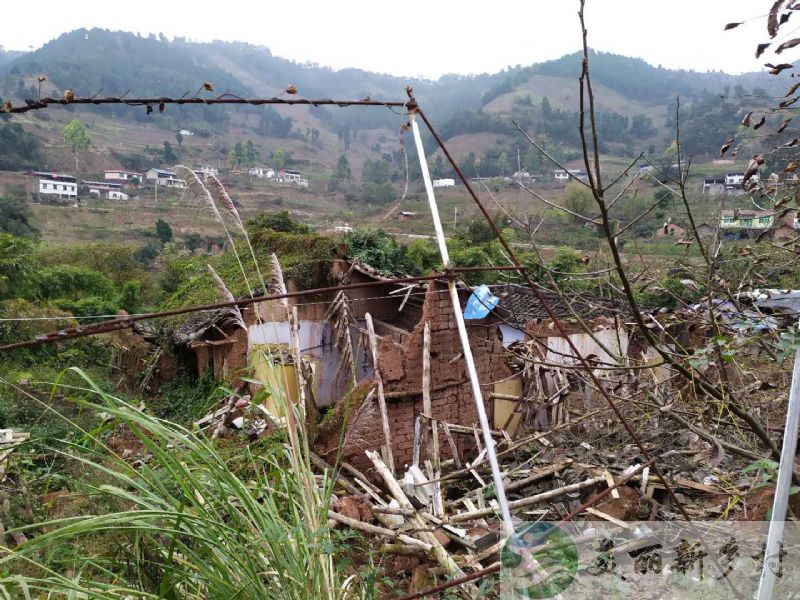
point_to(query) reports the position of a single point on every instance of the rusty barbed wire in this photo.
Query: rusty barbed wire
(126, 322)
(160, 102)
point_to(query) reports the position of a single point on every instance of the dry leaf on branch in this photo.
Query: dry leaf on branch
(753, 166)
(772, 19)
(789, 102)
(732, 26)
(760, 49)
(786, 45)
(776, 69)
(792, 167)
(760, 123)
(725, 147)
(747, 118)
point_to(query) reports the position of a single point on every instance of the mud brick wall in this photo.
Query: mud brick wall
(451, 399)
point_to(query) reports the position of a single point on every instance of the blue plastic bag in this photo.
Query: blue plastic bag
(480, 303)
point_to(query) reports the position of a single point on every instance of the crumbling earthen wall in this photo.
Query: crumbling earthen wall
(451, 397)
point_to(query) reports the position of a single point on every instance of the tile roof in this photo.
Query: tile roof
(518, 302)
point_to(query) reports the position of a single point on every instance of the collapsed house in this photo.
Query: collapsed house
(528, 373)
(522, 362)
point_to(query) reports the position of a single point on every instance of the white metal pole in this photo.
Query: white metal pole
(500, 492)
(772, 558)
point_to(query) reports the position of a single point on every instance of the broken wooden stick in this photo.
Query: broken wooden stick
(375, 530)
(442, 557)
(373, 344)
(427, 407)
(524, 502)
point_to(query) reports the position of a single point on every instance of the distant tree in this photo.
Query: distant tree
(16, 217)
(503, 164)
(380, 250)
(131, 296)
(532, 160)
(423, 254)
(169, 155)
(250, 154)
(578, 199)
(477, 233)
(379, 193)
(342, 171)
(179, 138)
(16, 264)
(281, 221)
(279, 158)
(340, 174)
(146, 255)
(375, 171)
(469, 165)
(642, 126)
(237, 154)
(19, 149)
(438, 169)
(547, 111)
(566, 260)
(76, 138)
(664, 197)
(163, 231)
(194, 241)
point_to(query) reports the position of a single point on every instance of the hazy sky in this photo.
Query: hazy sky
(443, 36)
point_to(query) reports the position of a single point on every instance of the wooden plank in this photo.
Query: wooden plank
(387, 435)
(427, 407)
(611, 483)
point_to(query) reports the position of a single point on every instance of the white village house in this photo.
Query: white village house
(261, 172)
(443, 183)
(165, 178)
(292, 176)
(119, 176)
(563, 176)
(105, 189)
(203, 170)
(57, 184)
(730, 183)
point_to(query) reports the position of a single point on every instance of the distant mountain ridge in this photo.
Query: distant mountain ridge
(90, 60)
(633, 95)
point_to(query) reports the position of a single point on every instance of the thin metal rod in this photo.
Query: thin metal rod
(772, 554)
(477, 395)
(224, 99)
(413, 107)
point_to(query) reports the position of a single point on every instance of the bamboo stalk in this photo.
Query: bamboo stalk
(359, 476)
(375, 530)
(373, 344)
(468, 430)
(417, 441)
(427, 407)
(403, 550)
(524, 502)
(394, 510)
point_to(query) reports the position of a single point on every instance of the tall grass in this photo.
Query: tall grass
(193, 528)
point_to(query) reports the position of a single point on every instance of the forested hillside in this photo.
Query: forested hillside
(635, 101)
